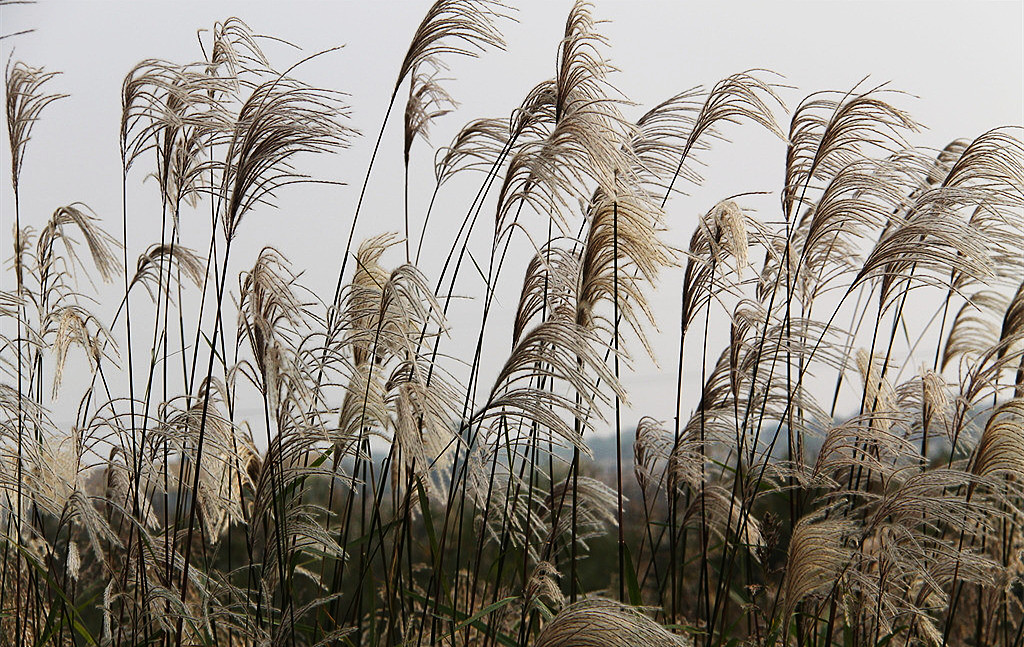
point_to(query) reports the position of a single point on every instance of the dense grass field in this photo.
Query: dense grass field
(219, 455)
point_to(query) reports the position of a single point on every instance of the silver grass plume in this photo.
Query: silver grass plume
(119, 485)
(188, 119)
(226, 459)
(386, 311)
(665, 138)
(1013, 320)
(740, 97)
(476, 146)
(101, 245)
(605, 623)
(551, 284)
(451, 27)
(944, 161)
(856, 203)
(543, 585)
(73, 562)
(163, 106)
(151, 266)
(994, 161)
(427, 101)
(830, 130)
(22, 251)
(424, 414)
(25, 101)
(623, 234)
(1012, 333)
(271, 315)
(660, 140)
(936, 408)
(495, 487)
(876, 441)
(594, 512)
(988, 178)
(280, 119)
(819, 552)
(363, 407)
(459, 27)
(652, 445)
(662, 145)
(723, 233)
(570, 354)
(981, 380)
(879, 396)
(580, 136)
(235, 51)
(743, 378)
(53, 475)
(931, 240)
(385, 314)
(72, 327)
(716, 506)
(1001, 447)
(975, 327)
(363, 300)
(934, 235)
(54, 483)
(911, 555)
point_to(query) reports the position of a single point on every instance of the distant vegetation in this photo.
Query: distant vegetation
(392, 492)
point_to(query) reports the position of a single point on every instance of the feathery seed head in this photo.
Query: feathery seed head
(25, 101)
(604, 623)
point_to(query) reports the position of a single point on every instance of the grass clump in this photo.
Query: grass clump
(392, 487)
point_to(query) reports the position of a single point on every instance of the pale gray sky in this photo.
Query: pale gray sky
(964, 60)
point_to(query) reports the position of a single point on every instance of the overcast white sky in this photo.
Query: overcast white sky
(963, 60)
